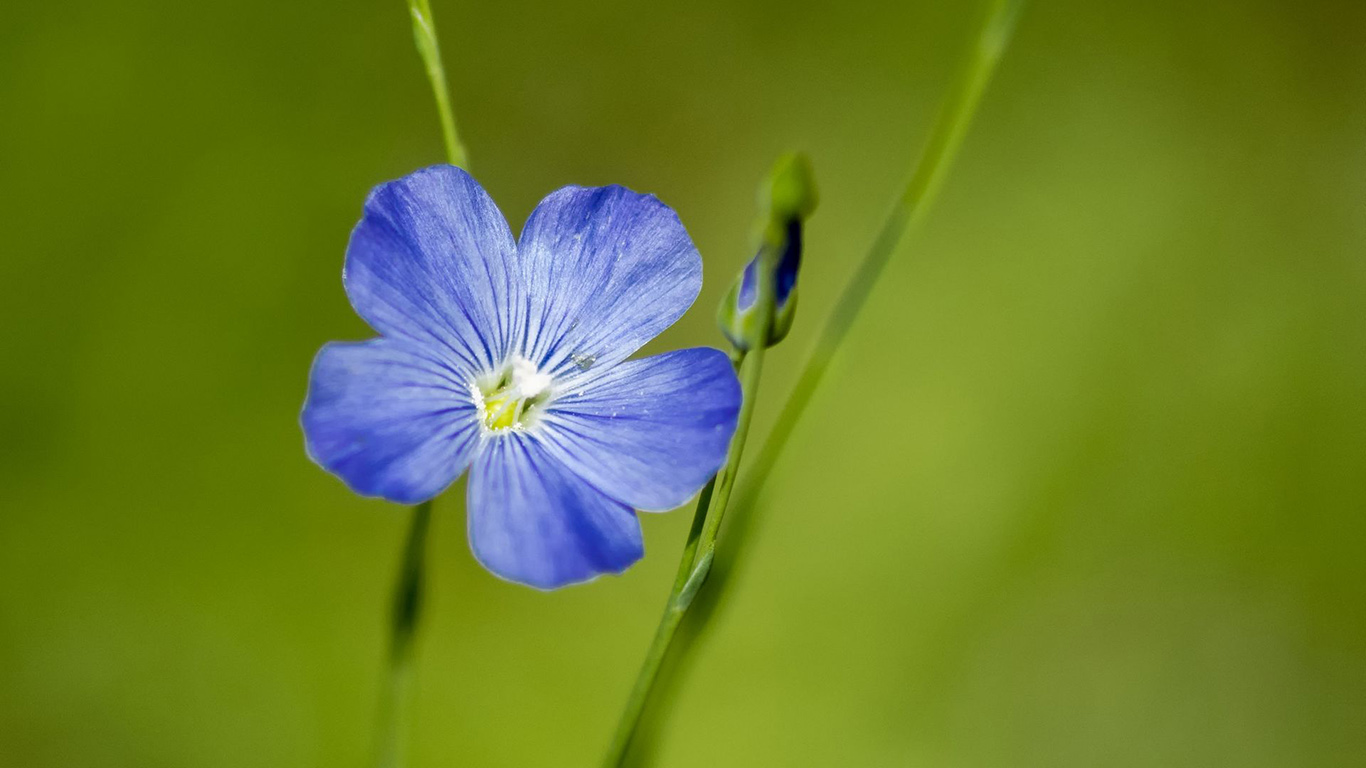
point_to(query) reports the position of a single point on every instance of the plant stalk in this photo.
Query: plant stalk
(907, 211)
(405, 613)
(698, 553)
(406, 610)
(424, 35)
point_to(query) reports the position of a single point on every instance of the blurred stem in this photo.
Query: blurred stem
(698, 553)
(907, 211)
(424, 35)
(404, 616)
(751, 366)
(659, 646)
(406, 611)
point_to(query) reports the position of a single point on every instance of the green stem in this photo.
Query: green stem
(907, 211)
(699, 519)
(424, 35)
(693, 567)
(405, 613)
(645, 679)
(750, 370)
(668, 624)
(698, 553)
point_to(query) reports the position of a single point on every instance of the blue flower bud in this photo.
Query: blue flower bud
(788, 199)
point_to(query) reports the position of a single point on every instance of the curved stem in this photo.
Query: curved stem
(645, 680)
(698, 553)
(404, 616)
(751, 368)
(907, 211)
(406, 610)
(424, 35)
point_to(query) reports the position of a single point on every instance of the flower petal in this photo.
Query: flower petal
(433, 260)
(533, 521)
(606, 270)
(649, 432)
(388, 420)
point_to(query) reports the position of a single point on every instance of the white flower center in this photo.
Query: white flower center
(510, 399)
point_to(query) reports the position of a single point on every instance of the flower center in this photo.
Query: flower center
(510, 400)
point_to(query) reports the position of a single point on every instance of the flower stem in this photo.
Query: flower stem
(405, 612)
(693, 567)
(698, 553)
(424, 35)
(907, 211)
(751, 367)
(668, 624)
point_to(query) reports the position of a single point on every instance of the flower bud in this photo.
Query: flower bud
(788, 199)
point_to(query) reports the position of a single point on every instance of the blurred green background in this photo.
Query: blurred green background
(1085, 487)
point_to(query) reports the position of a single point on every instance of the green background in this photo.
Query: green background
(1084, 487)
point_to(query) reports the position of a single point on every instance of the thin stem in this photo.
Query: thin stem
(404, 616)
(645, 680)
(406, 610)
(750, 370)
(424, 35)
(907, 211)
(659, 646)
(695, 564)
(699, 519)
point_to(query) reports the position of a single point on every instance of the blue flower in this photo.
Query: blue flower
(509, 357)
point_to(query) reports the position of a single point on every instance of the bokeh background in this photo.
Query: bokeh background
(1085, 487)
